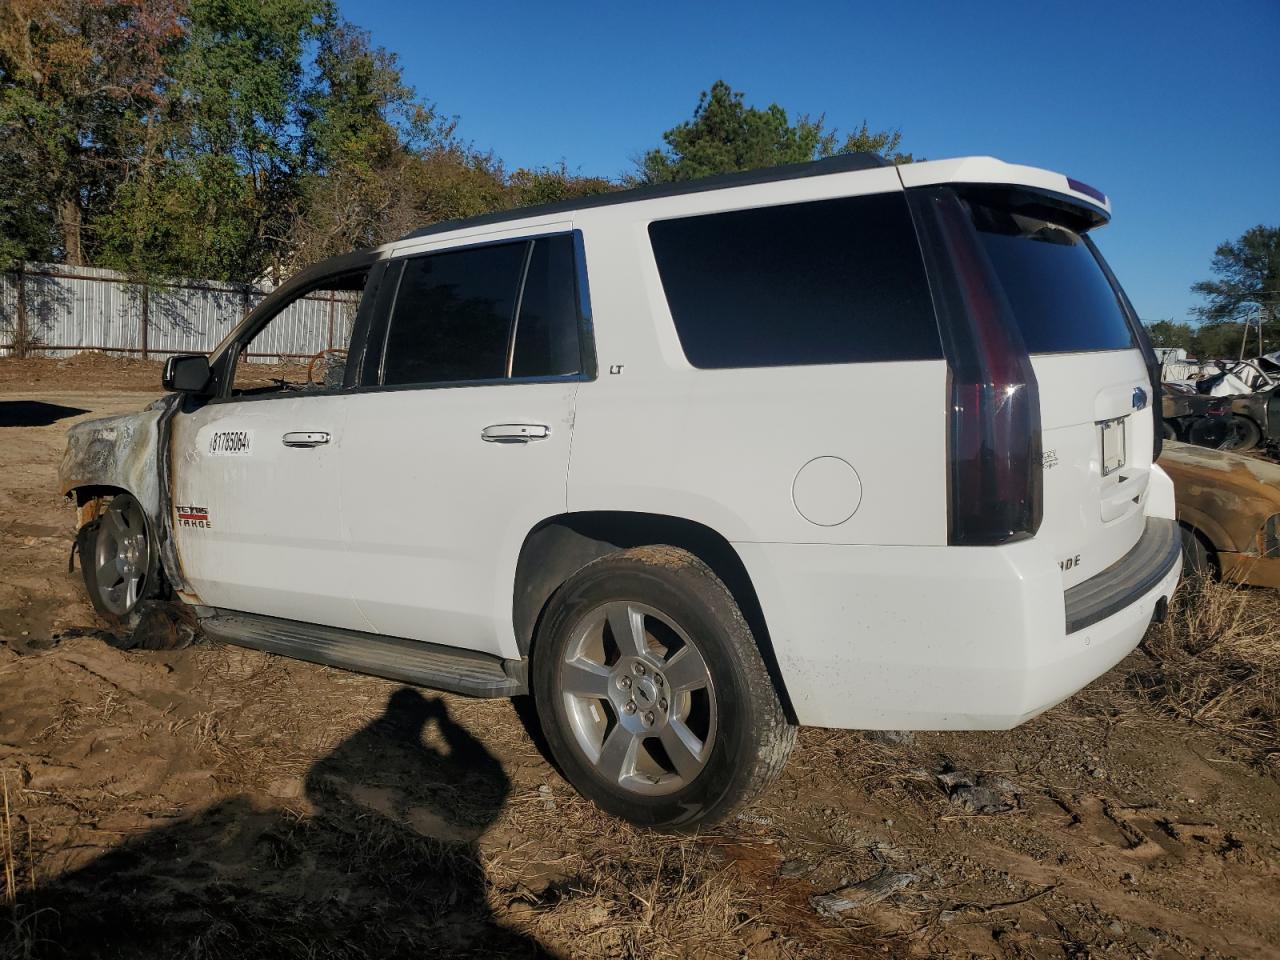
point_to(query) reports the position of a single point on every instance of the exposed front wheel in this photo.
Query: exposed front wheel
(118, 559)
(652, 693)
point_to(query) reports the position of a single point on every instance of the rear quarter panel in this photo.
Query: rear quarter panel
(724, 447)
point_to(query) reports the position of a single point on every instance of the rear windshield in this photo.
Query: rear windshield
(1061, 297)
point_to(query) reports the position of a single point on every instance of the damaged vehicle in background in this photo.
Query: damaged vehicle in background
(728, 553)
(1197, 418)
(1230, 405)
(1229, 511)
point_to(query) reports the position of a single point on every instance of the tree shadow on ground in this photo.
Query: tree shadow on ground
(384, 865)
(34, 413)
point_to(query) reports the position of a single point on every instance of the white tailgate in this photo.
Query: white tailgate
(1090, 521)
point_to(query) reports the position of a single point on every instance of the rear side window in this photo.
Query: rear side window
(485, 313)
(546, 342)
(1060, 296)
(833, 281)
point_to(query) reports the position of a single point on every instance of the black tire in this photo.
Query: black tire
(1209, 431)
(1243, 435)
(1197, 558)
(123, 613)
(752, 738)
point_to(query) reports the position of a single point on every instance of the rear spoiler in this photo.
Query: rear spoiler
(1039, 192)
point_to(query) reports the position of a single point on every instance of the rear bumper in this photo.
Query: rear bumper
(1126, 580)
(947, 638)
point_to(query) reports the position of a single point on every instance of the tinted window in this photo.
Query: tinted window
(836, 281)
(452, 316)
(547, 328)
(1059, 294)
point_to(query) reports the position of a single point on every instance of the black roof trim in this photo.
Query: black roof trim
(793, 171)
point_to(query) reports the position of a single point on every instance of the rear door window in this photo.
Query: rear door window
(546, 340)
(832, 281)
(1060, 295)
(452, 316)
(485, 313)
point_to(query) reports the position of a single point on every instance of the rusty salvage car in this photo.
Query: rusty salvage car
(1229, 511)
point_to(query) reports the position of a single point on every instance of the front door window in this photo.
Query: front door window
(304, 346)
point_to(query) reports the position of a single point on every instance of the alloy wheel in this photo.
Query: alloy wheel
(639, 698)
(122, 555)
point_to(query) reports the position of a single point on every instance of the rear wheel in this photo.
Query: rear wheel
(652, 693)
(119, 560)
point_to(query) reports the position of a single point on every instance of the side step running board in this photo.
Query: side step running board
(409, 661)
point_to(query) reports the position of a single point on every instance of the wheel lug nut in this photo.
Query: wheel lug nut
(625, 683)
(662, 704)
(630, 706)
(648, 719)
(639, 669)
(657, 678)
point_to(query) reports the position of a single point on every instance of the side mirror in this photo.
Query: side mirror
(186, 373)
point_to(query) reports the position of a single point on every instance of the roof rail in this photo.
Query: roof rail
(843, 163)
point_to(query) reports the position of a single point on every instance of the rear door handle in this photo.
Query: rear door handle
(305, 438)
(515, 432)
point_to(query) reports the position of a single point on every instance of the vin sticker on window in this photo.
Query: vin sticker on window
(231, 443)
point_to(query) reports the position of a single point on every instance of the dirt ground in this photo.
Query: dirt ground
(218, 802)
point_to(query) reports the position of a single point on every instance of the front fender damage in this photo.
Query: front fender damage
(126, 452)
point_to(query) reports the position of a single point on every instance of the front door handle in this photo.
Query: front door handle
(515, 432)
(305, 438)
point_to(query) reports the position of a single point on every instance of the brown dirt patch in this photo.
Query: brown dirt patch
(83, 371)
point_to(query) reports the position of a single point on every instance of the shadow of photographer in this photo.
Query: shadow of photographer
(384, 864)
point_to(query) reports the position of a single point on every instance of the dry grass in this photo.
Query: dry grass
(639, 896)
(1217, 664)
(20, 935)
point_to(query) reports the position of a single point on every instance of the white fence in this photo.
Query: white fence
(54, 310)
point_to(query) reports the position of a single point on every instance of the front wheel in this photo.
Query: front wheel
(652, 693)
(119, 560)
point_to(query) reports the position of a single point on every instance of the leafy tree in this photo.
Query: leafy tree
(1219, 341)
(79, 82)
(1205, 342)
(528, 187)
(1246, 282)
(222, 179)
(1166, 333)
(363, 127)
(725, 135)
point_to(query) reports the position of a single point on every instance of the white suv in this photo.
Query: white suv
(839, 444)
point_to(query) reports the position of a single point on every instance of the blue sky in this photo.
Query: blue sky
(1172, 108)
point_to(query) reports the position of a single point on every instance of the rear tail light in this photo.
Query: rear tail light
(994, 460)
